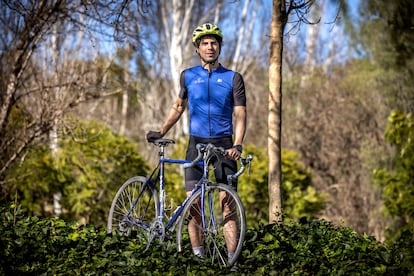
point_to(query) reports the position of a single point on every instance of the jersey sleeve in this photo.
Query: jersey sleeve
(183, 88)
(239, 92)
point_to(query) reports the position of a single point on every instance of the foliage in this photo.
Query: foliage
(56, 36)
(317, 247)
(51, 246)
(397, 180)
(396, 43)
(335, 122)
(175, 186)
(89, 167)
(300, 198)
(17, 125)
(392, 49)
(253, 188)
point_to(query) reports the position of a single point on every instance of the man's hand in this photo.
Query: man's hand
(151, 136)
(234, 153)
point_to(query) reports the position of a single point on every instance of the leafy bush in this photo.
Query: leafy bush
(51, 246)
(396, 178)
(300, 198)
(90, 165)
(318, 247)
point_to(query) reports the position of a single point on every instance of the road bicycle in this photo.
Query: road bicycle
(215, 209)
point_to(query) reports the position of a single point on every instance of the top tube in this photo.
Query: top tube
(162, 144)
(180, 161)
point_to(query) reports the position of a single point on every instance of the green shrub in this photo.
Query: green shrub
(317, 247)
(51, 246)
(89, 167)
(300, 198)
(396, 177)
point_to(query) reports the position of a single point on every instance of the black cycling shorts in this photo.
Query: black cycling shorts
(222, 167)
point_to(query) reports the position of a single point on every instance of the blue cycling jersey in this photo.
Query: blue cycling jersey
(211, 99)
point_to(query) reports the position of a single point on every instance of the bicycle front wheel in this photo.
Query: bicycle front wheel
(222, 236)
(133, 209)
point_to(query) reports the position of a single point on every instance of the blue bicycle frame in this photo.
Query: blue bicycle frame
(160, 168)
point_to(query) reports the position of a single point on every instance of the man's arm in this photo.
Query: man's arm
(175, 114)
(240, 120)
(240, 113)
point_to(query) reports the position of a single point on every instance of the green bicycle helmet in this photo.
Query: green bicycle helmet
(207, 29)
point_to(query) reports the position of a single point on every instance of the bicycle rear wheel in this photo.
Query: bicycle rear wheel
(225, 225)
(133, 208)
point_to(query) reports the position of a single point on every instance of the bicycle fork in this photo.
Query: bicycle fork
(210, 207)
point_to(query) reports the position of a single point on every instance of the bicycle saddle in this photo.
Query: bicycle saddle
(163, 142)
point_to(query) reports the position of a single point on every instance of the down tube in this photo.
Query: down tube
(179, 209)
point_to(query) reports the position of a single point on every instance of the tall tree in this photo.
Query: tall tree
(31, 99)
(23, 30)
(279, 19)
(280, 14)
(177, 24)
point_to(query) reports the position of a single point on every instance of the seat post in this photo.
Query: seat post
(162, 150)
(163, 143)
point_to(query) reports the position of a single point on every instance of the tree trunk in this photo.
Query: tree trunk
(177, 32)
(125, 92)
(275, 111)
(56, 95)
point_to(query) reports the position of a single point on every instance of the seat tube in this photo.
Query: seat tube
(162, 191)
(202, 194)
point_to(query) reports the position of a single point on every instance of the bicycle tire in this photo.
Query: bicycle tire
(141, 214)
(214, 242)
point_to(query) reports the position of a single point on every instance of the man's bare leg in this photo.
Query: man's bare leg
(194, 229)
(230, 223)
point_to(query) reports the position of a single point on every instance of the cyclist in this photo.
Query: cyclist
(214, 96)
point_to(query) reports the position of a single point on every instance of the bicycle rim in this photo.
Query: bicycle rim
(133, 208)
(222, 233)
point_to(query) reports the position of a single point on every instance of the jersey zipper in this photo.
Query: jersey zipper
(209, 104)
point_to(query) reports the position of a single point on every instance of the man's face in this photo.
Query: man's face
(209, 48)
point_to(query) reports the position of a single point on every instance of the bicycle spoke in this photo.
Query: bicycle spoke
(133, 208)
(220, 233)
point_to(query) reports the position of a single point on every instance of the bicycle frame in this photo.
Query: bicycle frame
(132, 210)
(160, 176)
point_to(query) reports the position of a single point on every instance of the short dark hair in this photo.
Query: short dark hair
(218, 38)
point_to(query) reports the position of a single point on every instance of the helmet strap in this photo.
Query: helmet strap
(209, 63)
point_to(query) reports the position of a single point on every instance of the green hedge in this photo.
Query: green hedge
(51, 246)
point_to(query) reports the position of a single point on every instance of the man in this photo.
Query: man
(214, 96)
